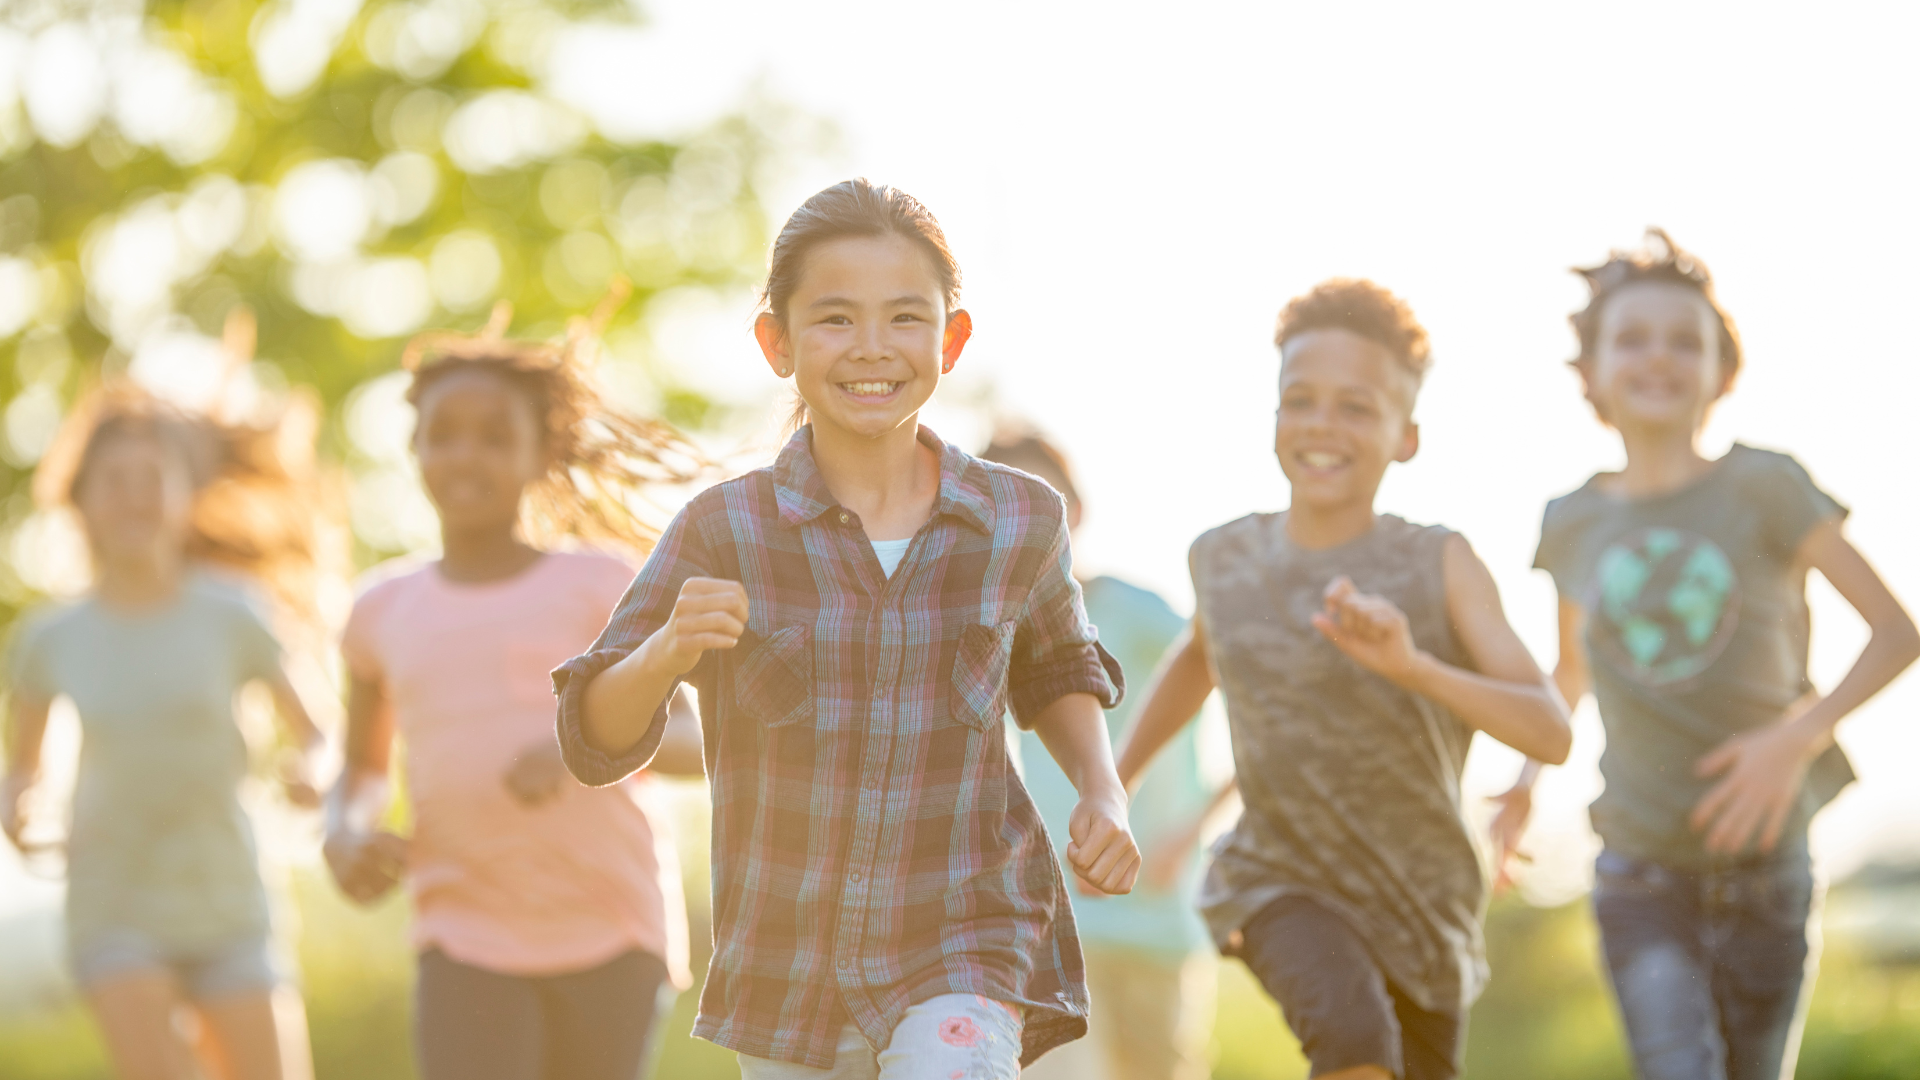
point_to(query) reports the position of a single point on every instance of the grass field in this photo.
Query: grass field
(1546, 1016)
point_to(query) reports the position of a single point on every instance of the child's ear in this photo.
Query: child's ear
(959, 332)
(1409, 443)
(771, 333)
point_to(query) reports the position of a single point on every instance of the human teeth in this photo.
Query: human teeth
(1322, 461)
(870, 389)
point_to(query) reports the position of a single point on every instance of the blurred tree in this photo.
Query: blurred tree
(351, 171)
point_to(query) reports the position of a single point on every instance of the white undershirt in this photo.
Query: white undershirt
(890, 552)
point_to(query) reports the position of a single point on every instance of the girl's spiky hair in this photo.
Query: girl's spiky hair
(600, 459)
(1659, 260)
(262, 506)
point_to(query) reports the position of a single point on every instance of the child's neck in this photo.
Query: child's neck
(481, 555)
(138, 584)
(1659, 461)
(892, 481)
(1317, 528)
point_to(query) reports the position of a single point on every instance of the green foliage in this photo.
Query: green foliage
(409, 174)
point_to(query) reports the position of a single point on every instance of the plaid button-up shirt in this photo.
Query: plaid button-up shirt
(872, 844)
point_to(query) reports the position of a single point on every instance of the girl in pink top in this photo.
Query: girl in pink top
(548, 916)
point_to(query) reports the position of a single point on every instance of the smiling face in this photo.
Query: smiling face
(1345, 414)
(866, 335)
(135, 499)
(479, 446)
(1656, 361)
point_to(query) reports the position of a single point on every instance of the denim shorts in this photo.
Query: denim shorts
(1710, 966)
(242, 966)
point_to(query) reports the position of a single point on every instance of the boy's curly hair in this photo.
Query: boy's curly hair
(601, 459)
(1360, 307)
(1659, 260)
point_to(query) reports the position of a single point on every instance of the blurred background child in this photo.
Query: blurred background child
(1151, 968)
(1682, 584)
(185, 519)
(548, 917)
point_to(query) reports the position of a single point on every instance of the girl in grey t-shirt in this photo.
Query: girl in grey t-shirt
(165, 904)
(1682, 586)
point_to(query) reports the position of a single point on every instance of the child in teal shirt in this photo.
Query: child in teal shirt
(1151, 966)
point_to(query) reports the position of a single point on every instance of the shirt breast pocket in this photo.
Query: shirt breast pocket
(773, 683)
(980, 661)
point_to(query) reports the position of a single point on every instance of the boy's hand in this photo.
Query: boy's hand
(708, 614)
(1508, 826)
(365, 864)
(1102, 853)
(1760, 774)
(536, 774)
(1370, 630)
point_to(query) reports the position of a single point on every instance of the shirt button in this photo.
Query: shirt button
(855, 876)
(845, 517)
(843, 965)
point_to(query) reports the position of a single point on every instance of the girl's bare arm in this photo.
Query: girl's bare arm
(1102, 851)
(366, 861)
(1761, 771)
(25, 734)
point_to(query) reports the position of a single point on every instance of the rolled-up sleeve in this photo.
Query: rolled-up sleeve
(644, 609)
(1056, 651)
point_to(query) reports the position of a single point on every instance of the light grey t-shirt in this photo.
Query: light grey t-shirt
(159, 845)
(1351, 784)
(1696, 631)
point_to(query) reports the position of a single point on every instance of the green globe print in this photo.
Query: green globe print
(1667, 603)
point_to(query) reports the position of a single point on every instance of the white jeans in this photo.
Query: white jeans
(950, 1037)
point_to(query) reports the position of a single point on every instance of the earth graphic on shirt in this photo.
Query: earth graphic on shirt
(1667, 603)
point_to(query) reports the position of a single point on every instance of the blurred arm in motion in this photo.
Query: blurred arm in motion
(365, 859)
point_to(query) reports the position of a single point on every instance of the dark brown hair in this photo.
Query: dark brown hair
(600, 459)
(1359, 307)
(1660, 261)
(852, 208)
(261, 505)
(1030, 452)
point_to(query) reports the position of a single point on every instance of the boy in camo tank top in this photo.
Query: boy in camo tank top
(1358, 654)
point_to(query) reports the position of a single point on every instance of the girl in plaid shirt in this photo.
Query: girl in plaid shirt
(856, 618)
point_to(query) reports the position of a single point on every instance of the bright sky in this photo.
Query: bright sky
(1134, 191)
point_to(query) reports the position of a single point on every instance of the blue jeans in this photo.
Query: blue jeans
(1708, 965)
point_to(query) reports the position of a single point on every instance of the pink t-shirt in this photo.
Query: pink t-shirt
(563, 886)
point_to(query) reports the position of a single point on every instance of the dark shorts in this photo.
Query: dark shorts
(1342, 1009)
(597, 1024)
(1709, 967)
